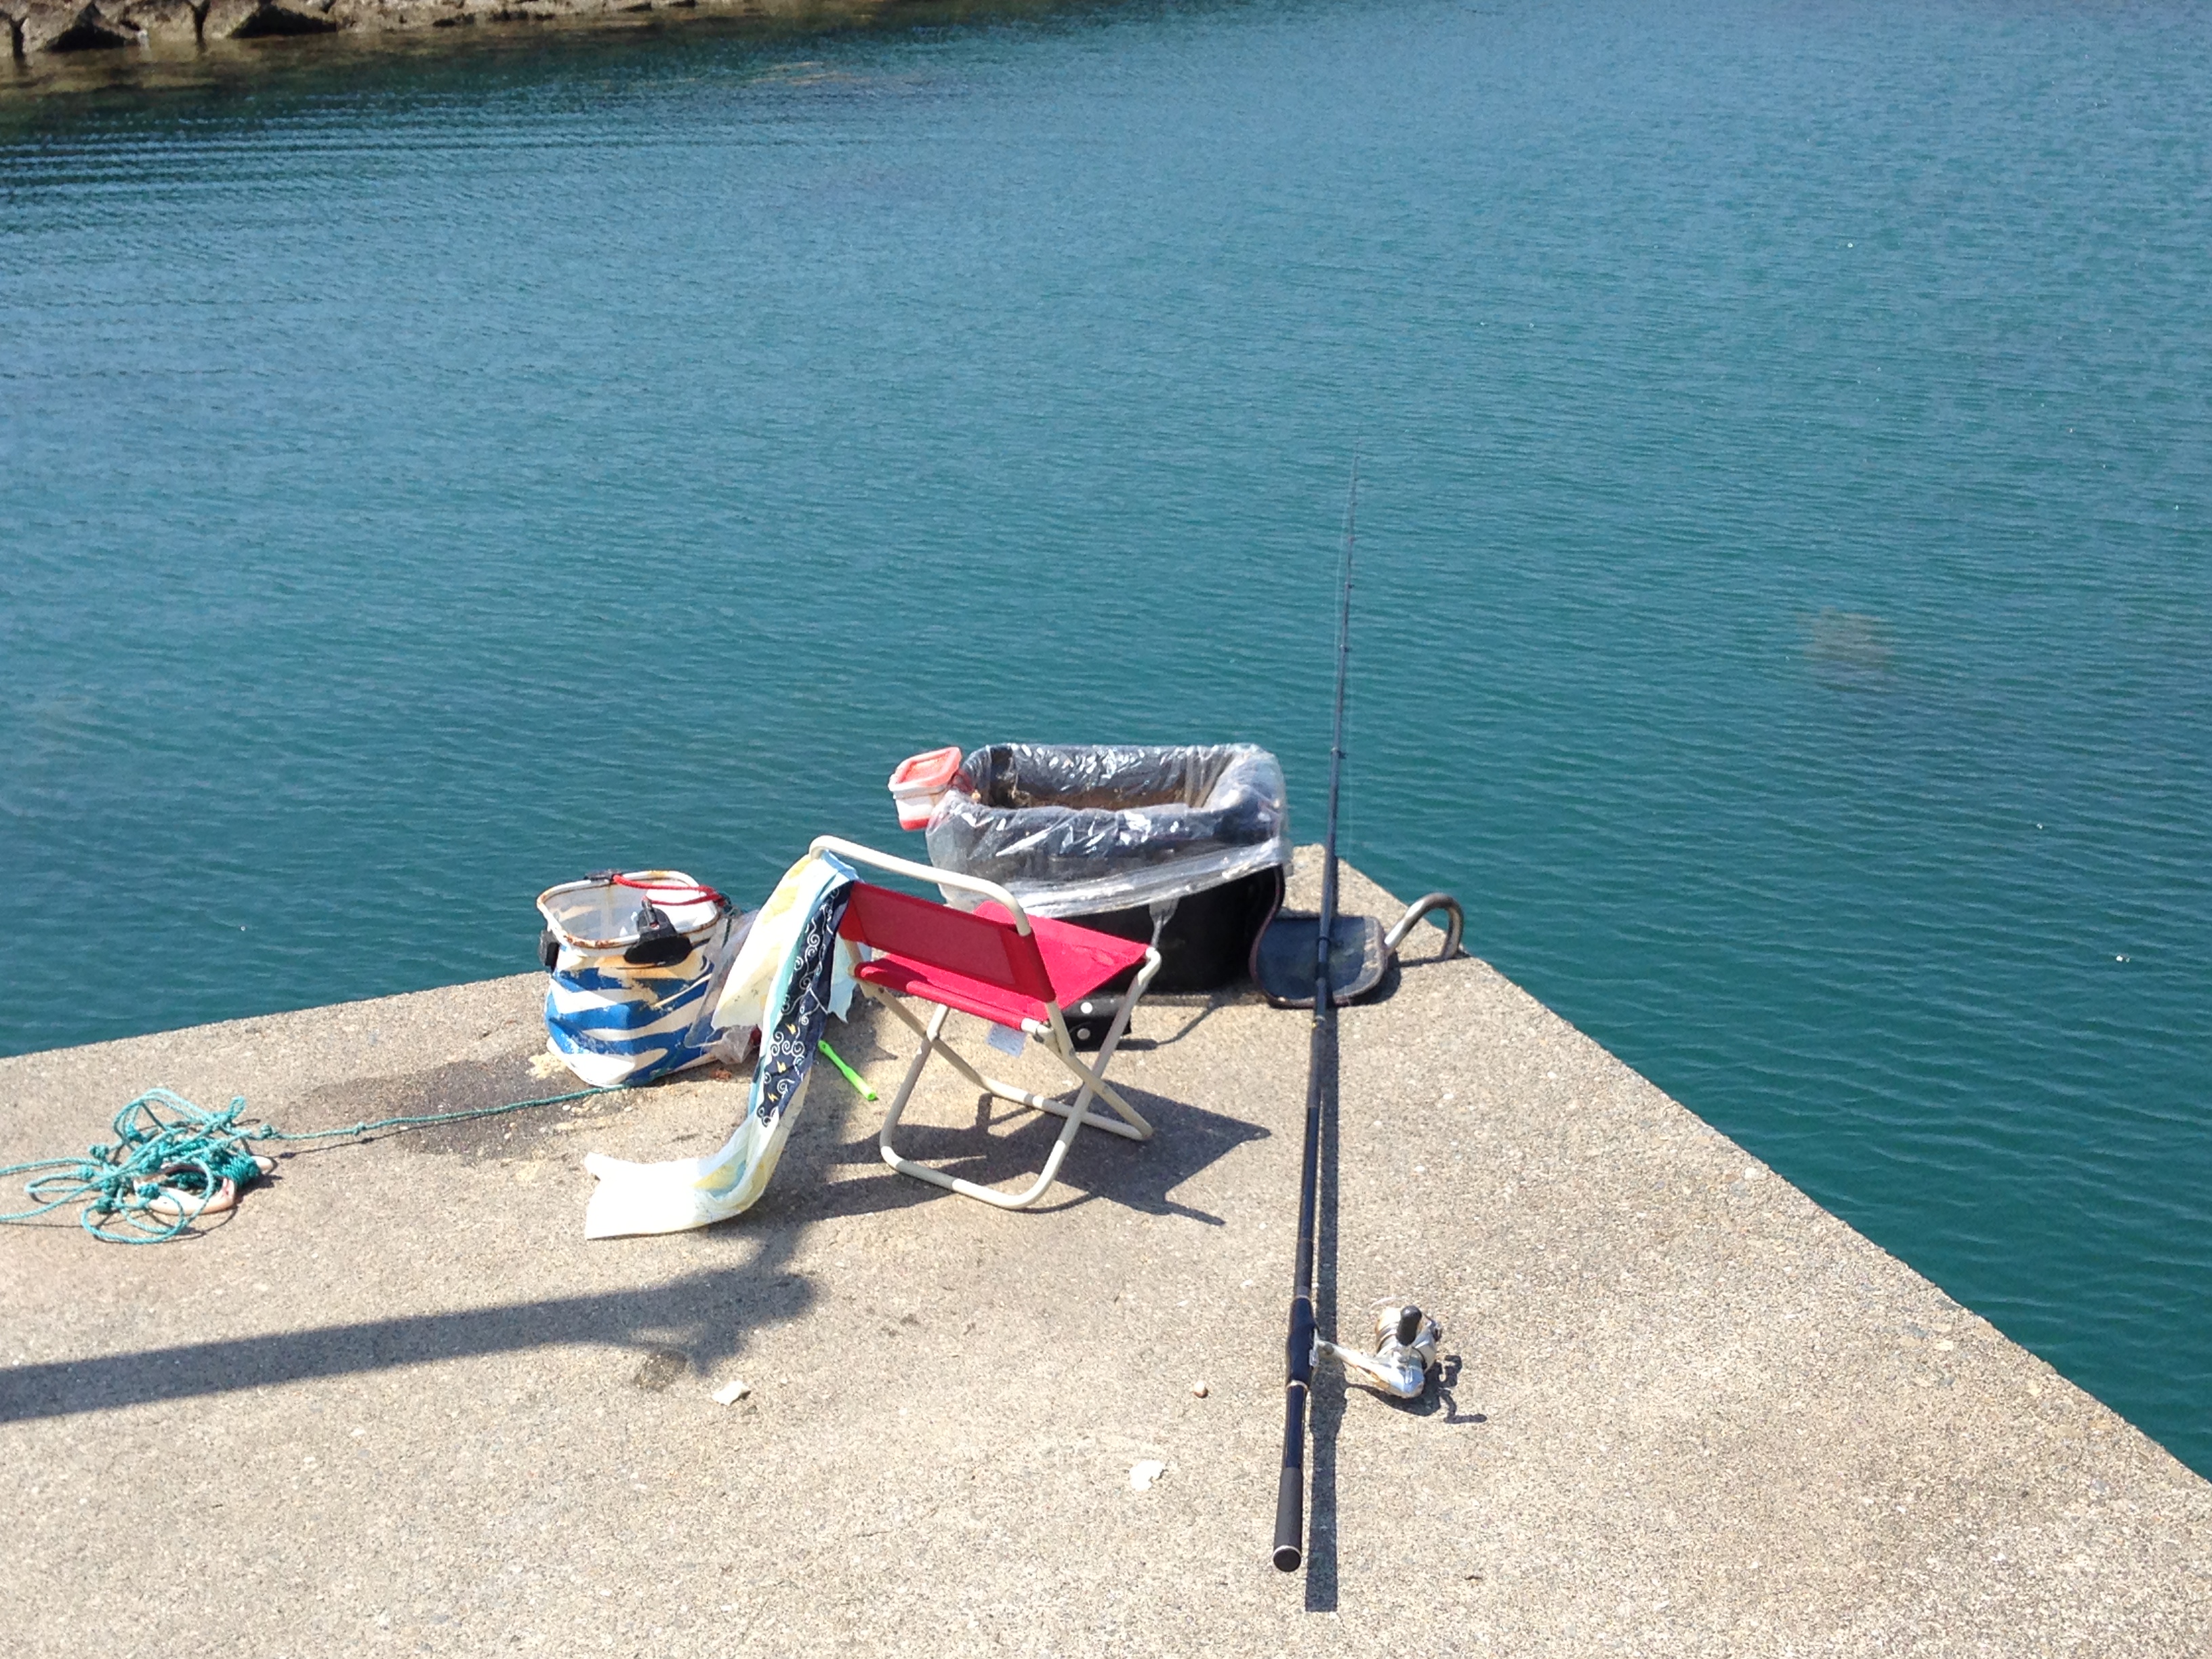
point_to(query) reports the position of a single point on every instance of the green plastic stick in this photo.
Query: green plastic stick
(851, 1076)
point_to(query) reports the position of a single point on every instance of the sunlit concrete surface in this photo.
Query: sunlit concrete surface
(398, 1404)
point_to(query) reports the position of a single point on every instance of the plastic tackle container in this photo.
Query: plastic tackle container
(921, 783)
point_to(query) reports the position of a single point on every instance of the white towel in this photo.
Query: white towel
(795, 970)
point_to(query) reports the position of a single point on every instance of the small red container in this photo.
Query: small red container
(922, 781)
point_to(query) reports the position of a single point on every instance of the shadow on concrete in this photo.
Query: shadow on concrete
(699, 1318)
(702, 1317)
(1227, 997)
(1136, 1175)
(699, 1315)
(1326, 1401)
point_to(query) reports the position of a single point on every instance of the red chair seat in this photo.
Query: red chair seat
(1077, 962)
(981, 961)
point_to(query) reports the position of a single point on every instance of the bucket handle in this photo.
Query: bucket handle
(706, 895)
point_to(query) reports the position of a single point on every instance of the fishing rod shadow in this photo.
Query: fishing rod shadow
(1325, 1409)
(1331, 1391)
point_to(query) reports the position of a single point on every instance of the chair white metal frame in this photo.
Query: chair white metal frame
(1008, 969)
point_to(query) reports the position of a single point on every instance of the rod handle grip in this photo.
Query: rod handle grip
(1290, 1518)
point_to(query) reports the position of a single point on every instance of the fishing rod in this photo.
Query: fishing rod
(1406, 1338)
(1321, 1078)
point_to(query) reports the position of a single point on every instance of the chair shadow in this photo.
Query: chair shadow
(1140, 1175)
(1214, 1003)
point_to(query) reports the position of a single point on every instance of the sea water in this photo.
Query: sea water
(1785, 577)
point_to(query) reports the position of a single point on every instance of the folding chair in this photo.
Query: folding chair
(1001, 964)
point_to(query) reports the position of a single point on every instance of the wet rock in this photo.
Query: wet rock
(68, 27)
(524, 10)
(250, 19)
(62, 25)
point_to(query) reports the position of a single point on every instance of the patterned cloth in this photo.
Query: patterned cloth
(787, 1047)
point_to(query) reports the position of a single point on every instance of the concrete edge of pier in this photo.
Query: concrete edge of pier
(397, 1403)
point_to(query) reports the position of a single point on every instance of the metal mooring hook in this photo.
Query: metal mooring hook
(1454, 925)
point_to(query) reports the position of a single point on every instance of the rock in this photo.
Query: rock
(381, 15)
(59, 25)
(68, 27)
(249, 20)
(163, 21)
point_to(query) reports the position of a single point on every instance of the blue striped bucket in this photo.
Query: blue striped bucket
(636, 959)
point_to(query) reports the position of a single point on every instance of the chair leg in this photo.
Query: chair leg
(932, 1042)
(1091, 1078)
(1133, 1124)
(1133, 1128)
(929, 1045)
(991, 1195)
(1112, 1126)
(1094, 1077)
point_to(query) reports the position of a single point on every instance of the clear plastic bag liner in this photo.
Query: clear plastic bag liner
(1074, 829)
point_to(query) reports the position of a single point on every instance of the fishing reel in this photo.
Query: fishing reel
(1405, 1348)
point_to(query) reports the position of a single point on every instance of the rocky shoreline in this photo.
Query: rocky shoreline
(51, 31)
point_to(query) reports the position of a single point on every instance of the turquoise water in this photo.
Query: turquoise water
(1785, 615)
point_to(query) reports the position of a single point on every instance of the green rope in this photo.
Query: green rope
(271, 1132)
(162, 1172)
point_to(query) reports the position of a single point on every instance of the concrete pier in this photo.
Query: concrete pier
(396, 1403)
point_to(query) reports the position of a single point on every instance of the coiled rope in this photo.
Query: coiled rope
(172, 1162)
